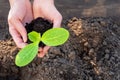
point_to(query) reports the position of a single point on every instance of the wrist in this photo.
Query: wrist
(11, 2)
(14, 1)
(45, 1)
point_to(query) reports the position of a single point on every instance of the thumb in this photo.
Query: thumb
(57, 22)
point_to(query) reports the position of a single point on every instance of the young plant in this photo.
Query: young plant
(52, 37)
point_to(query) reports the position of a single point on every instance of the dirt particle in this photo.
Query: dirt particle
(107, 56)
(86, 44)
(107, 51)
(91, 52)
(72, 55)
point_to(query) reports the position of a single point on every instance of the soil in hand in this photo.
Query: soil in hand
(39, 25)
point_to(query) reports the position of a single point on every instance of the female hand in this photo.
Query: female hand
(19, 14)
(46, 9)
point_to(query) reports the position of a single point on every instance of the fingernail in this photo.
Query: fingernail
(25, 40)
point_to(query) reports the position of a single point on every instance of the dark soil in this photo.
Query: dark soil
(91, 53)
(39, 25)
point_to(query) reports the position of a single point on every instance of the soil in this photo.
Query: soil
(39, 25)
(91, 53)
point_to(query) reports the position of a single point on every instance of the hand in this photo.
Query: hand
(46, 9)
(19, 14)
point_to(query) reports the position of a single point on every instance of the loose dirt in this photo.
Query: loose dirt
(91, 53)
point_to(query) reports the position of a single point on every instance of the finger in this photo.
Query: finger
(20, 28)
(57, 21)
(43, 51)
(41, 54)
(40, 49)
(16, 37)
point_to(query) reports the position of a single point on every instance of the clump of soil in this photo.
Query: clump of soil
(39, 25)
(91, 53)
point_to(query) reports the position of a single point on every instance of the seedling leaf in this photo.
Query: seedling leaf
(34, 36)
(55, 36)
(27, 54)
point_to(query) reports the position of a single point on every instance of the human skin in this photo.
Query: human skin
(22, 12)
(19, 14)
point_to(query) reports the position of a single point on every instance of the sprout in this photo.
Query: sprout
(52, 37)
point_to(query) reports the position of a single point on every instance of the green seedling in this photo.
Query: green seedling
(52, 37)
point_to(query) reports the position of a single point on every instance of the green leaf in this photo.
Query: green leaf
(27, 54)
(34, 36)
(55, 36)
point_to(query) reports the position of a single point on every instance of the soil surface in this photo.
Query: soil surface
(91, 53)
